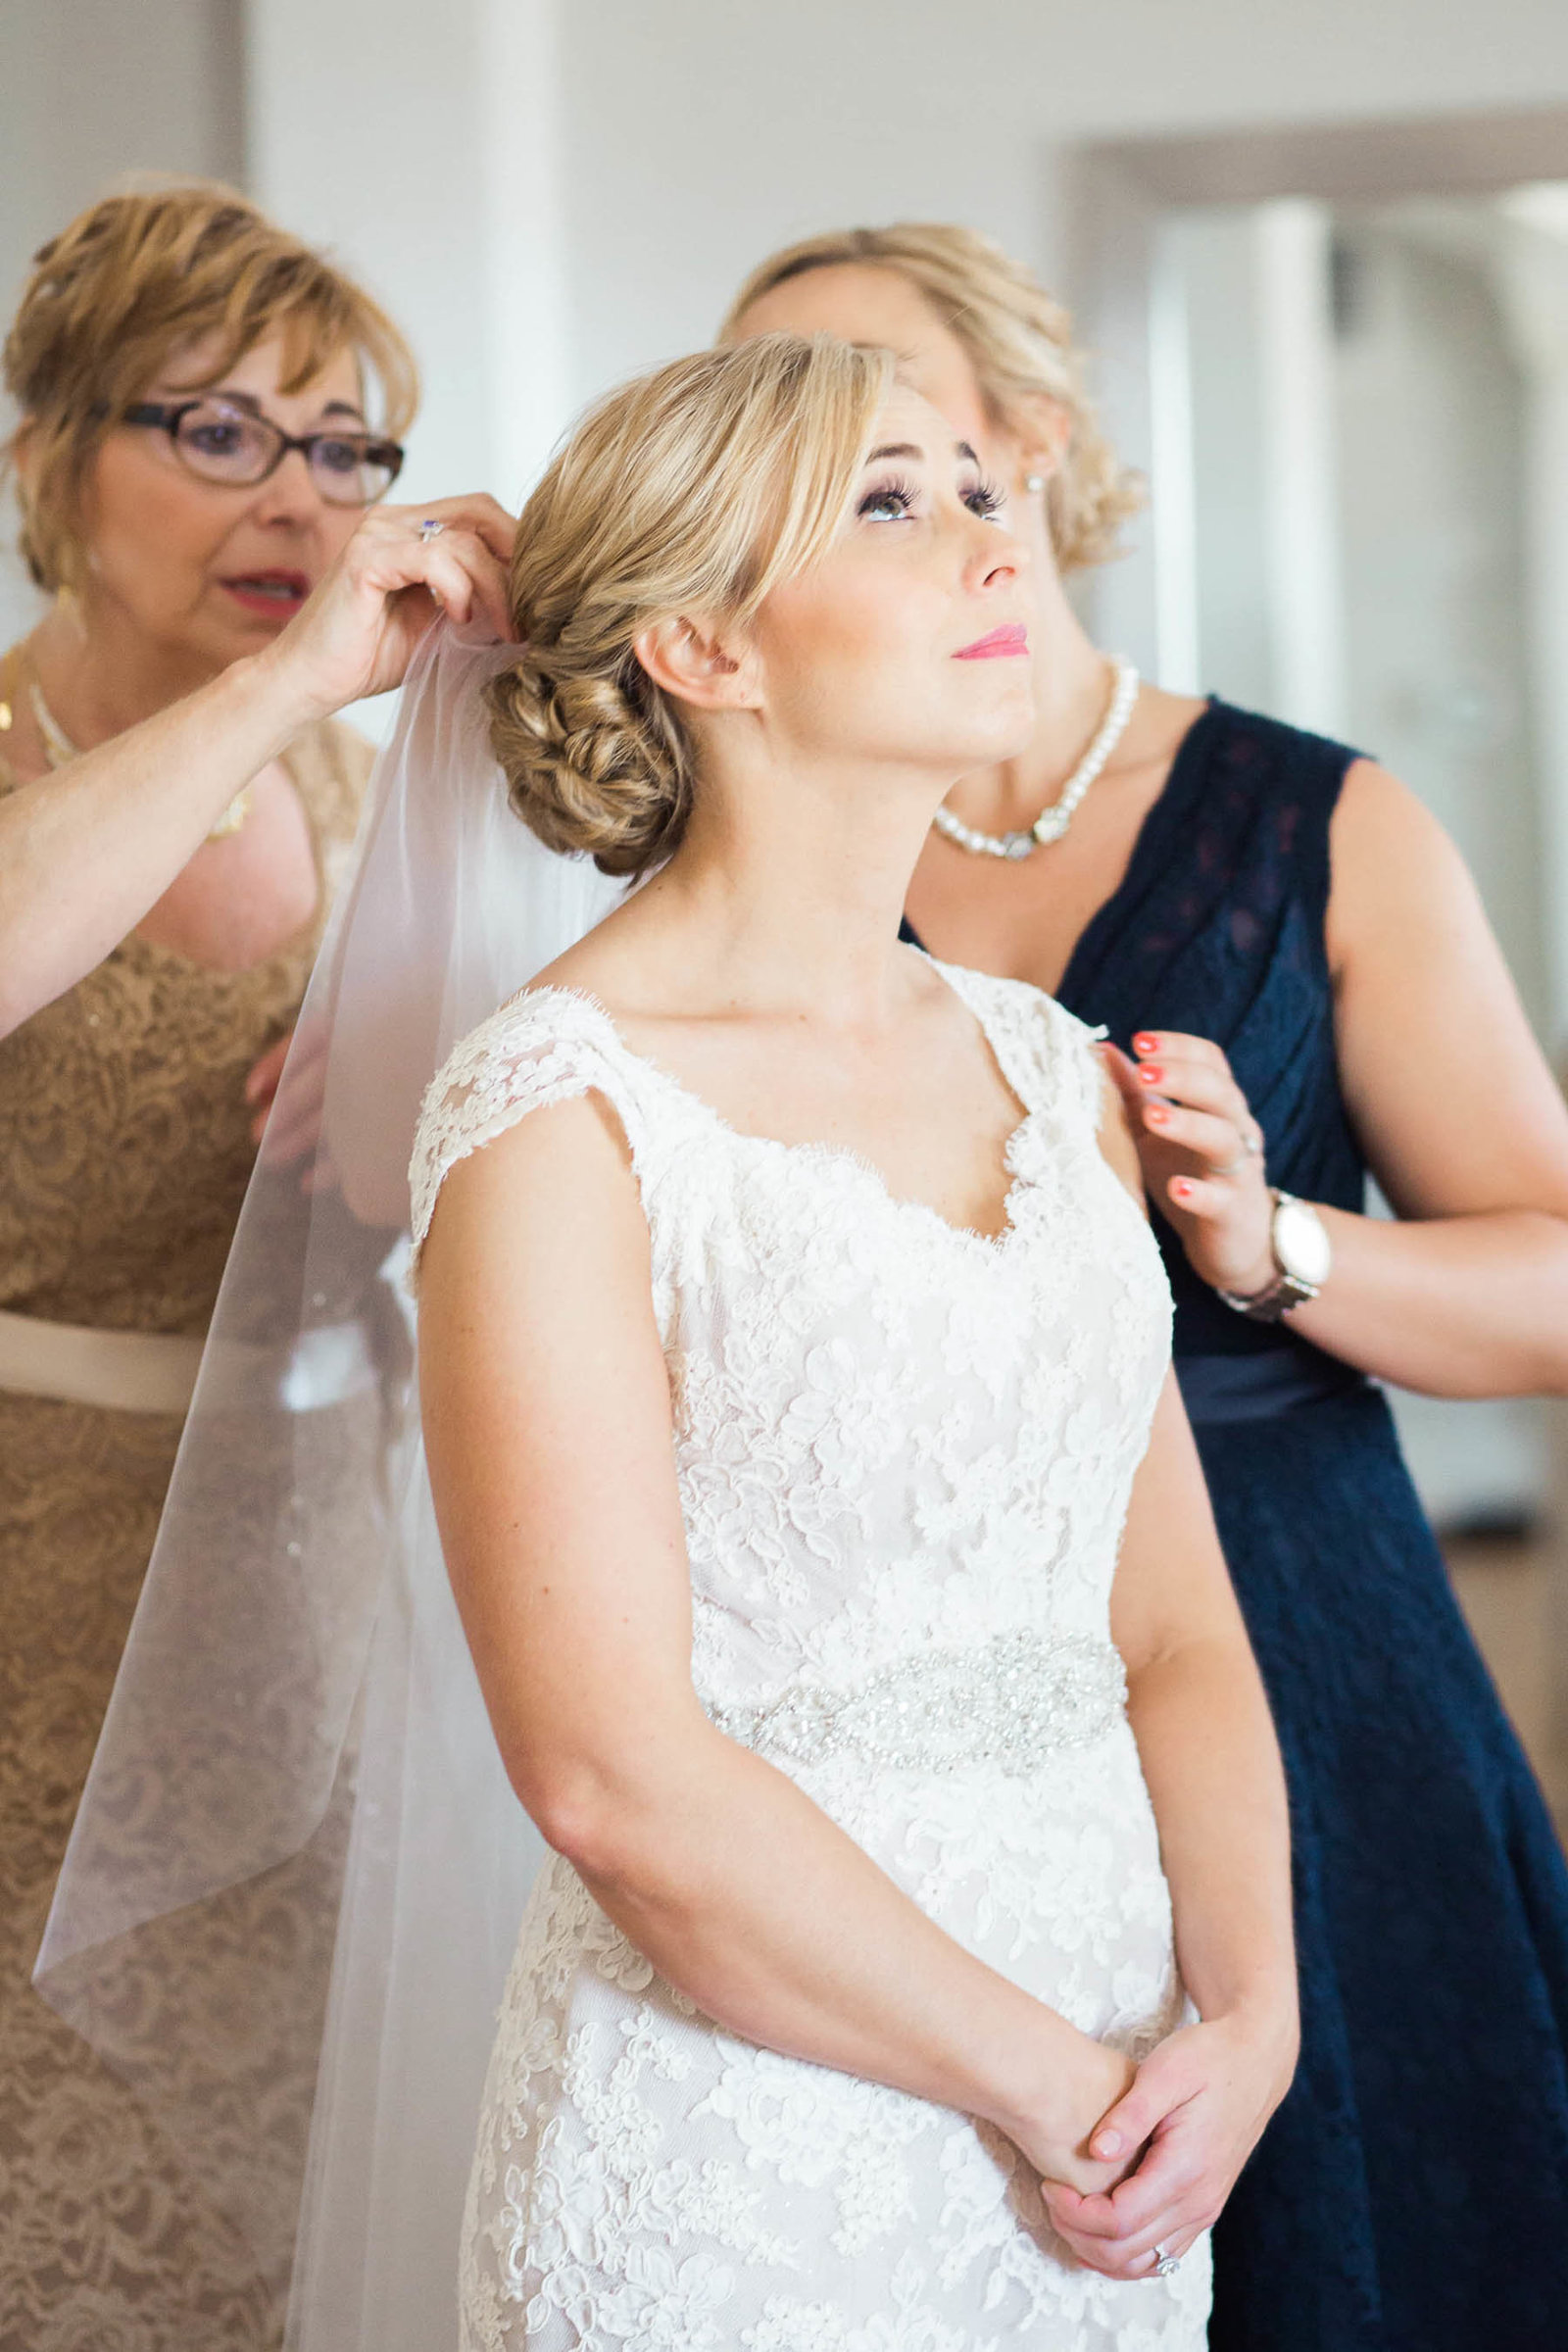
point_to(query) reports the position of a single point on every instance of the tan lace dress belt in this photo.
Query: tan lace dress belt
(154, 1371)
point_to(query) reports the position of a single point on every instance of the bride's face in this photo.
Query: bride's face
(908, 642)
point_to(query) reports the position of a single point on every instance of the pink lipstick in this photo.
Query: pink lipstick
(1013, 638)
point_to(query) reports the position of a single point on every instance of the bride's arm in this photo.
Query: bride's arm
(547, 1419)
(1209, 1756)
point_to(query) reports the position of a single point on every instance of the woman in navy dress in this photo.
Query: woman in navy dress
(1294, 964)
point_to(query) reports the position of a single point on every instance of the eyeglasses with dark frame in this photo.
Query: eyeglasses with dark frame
(224, 443)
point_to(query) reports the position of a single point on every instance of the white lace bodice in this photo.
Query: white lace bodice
(890, 1434)
(904, 1453)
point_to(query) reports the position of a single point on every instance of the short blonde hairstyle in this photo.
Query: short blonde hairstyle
(697, 491)
(1020, 342)
(139, 276)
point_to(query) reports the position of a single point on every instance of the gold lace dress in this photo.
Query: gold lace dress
(125, 1156)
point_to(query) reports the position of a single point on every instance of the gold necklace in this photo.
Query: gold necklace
(59, 750)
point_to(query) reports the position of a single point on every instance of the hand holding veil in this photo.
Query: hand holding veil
(298, 1870)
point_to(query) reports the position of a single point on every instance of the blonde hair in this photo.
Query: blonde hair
(696, 491)
(139, 276)
(1018, 342)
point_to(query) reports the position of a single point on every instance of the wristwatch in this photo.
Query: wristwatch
(1303, 1256)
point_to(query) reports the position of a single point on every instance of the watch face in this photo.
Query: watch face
(1302, 1242)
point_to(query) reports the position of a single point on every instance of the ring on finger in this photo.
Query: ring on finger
(1166, 2264)
(1252, 1142)
(430, 529)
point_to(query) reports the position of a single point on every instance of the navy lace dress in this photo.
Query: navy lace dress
(1411, 2193)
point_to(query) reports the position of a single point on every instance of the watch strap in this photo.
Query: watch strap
(1274, 1302)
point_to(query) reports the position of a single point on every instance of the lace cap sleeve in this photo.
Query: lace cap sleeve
(1048, 1057)
(537, 1049)
(1082, 1078)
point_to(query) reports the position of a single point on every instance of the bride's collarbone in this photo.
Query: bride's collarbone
(933, 1128)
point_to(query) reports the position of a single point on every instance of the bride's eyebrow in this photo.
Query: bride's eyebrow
(912, 449)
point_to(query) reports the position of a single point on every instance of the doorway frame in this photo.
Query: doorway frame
(1111, 196)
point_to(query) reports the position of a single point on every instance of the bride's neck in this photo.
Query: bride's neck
(795, 905)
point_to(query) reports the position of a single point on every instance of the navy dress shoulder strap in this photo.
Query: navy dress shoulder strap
(1217, 930)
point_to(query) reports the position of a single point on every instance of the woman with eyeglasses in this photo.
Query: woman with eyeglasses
(208, 418)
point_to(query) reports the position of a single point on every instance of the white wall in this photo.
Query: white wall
(95, 88)
(702, 133)
(414, 142)
(418, 146)
(90, 91)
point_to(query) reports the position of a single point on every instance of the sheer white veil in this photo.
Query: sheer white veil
(297, 1874)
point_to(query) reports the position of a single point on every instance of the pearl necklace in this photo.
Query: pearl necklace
(60, 751)
(1052, 822)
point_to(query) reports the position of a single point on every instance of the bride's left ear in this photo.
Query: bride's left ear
(697, 664)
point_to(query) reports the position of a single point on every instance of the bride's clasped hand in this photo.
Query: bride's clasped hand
(1187, 2125)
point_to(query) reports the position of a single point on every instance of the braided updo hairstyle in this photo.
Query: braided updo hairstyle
(695, 490)
(1020, 342)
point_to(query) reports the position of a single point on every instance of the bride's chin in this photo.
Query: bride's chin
(1004, 724)
(1004, 741)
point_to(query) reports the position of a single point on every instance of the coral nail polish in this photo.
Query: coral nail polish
(1151, 1073)
(1182, 1189)
(1143, 1043)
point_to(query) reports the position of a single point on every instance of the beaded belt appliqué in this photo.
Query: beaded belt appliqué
(1007, 1702)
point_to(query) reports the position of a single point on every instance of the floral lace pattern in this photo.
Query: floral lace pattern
(128, 1150)
(894, 1438)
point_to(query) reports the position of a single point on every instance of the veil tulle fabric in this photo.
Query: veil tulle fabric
(293, 1887)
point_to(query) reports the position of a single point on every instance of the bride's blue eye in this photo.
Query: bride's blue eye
(894, 502)
(984, 499)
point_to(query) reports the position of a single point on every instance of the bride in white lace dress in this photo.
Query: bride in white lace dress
(792, 1341)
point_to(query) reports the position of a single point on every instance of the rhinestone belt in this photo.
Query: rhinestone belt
(1007, 1703)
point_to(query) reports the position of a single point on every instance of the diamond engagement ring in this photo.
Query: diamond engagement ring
(430, 529)
(1166, 2264)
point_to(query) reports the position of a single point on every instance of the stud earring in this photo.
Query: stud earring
(1034, 481)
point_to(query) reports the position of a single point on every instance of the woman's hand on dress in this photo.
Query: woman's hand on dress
(356, 633)
(1194, 2115)
(1201, 1152)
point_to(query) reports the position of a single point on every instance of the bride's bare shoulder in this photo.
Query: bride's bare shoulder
(619, 962)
